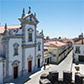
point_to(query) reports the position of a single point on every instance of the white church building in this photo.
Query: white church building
(21, 48)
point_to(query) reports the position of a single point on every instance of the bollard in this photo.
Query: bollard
(82, 77)
(53, 76)
(78, 78)
(83, 81)
(44, 81)
(67, 76)
(43, 76)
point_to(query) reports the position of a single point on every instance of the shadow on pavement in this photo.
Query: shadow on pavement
(24, 78)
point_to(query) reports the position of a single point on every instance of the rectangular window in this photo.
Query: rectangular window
(15, 51)
(39, 47)
(54, 55)
(30, 37)
(77, 49)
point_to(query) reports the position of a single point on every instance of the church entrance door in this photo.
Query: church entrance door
(16, 72)
(30, 66)
(38, 62)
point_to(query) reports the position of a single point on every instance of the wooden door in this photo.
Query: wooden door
(16, 72)
(50, 59)
(38, 63)
(29, 66)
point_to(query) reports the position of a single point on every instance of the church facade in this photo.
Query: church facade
(21, 49)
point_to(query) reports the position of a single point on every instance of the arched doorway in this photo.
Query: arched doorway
(38, 62)
(15, 71)
(15, 65)
(29, 65)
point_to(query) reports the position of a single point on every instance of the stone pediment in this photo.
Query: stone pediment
(29, 57)
(15, 63)
(38, 56)
(29, 18)
(30, 30)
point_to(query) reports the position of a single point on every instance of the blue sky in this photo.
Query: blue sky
(63, 18)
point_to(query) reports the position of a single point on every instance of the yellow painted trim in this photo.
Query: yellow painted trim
(47, 56)
(57, 54)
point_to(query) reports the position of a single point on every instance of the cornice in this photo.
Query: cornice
(12, 36)
(40, 36)
(27, 22)
(28, 45)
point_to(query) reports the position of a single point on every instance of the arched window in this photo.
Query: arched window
(39, 46)
(16, 49)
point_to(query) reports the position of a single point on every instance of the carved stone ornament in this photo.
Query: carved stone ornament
(30, 30)
(30, 57)
(16, 44)
(15, 63)
(38, 56)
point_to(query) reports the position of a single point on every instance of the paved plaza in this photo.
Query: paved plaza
(64, 65)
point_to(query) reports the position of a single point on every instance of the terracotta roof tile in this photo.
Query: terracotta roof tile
(56, 44)
(9, 27)
(79, 42)
(64, 40)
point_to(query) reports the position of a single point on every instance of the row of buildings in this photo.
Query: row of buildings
(21, 48)
(56, 50)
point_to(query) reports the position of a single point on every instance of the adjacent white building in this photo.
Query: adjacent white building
(21, 48)
(78, 51)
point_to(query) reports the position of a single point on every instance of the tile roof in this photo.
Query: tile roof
(64, 40)
(9, 27)
(56, 44)
(79, 42)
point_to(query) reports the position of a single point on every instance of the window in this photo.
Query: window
(30, 37)
(54, 55)
(39, 47)
(30, 31)
(50, 52)
(77, 49)
(15, 49)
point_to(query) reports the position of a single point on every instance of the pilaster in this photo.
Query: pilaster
(35, 49)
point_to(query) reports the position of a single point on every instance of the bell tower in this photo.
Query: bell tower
(29, 23)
